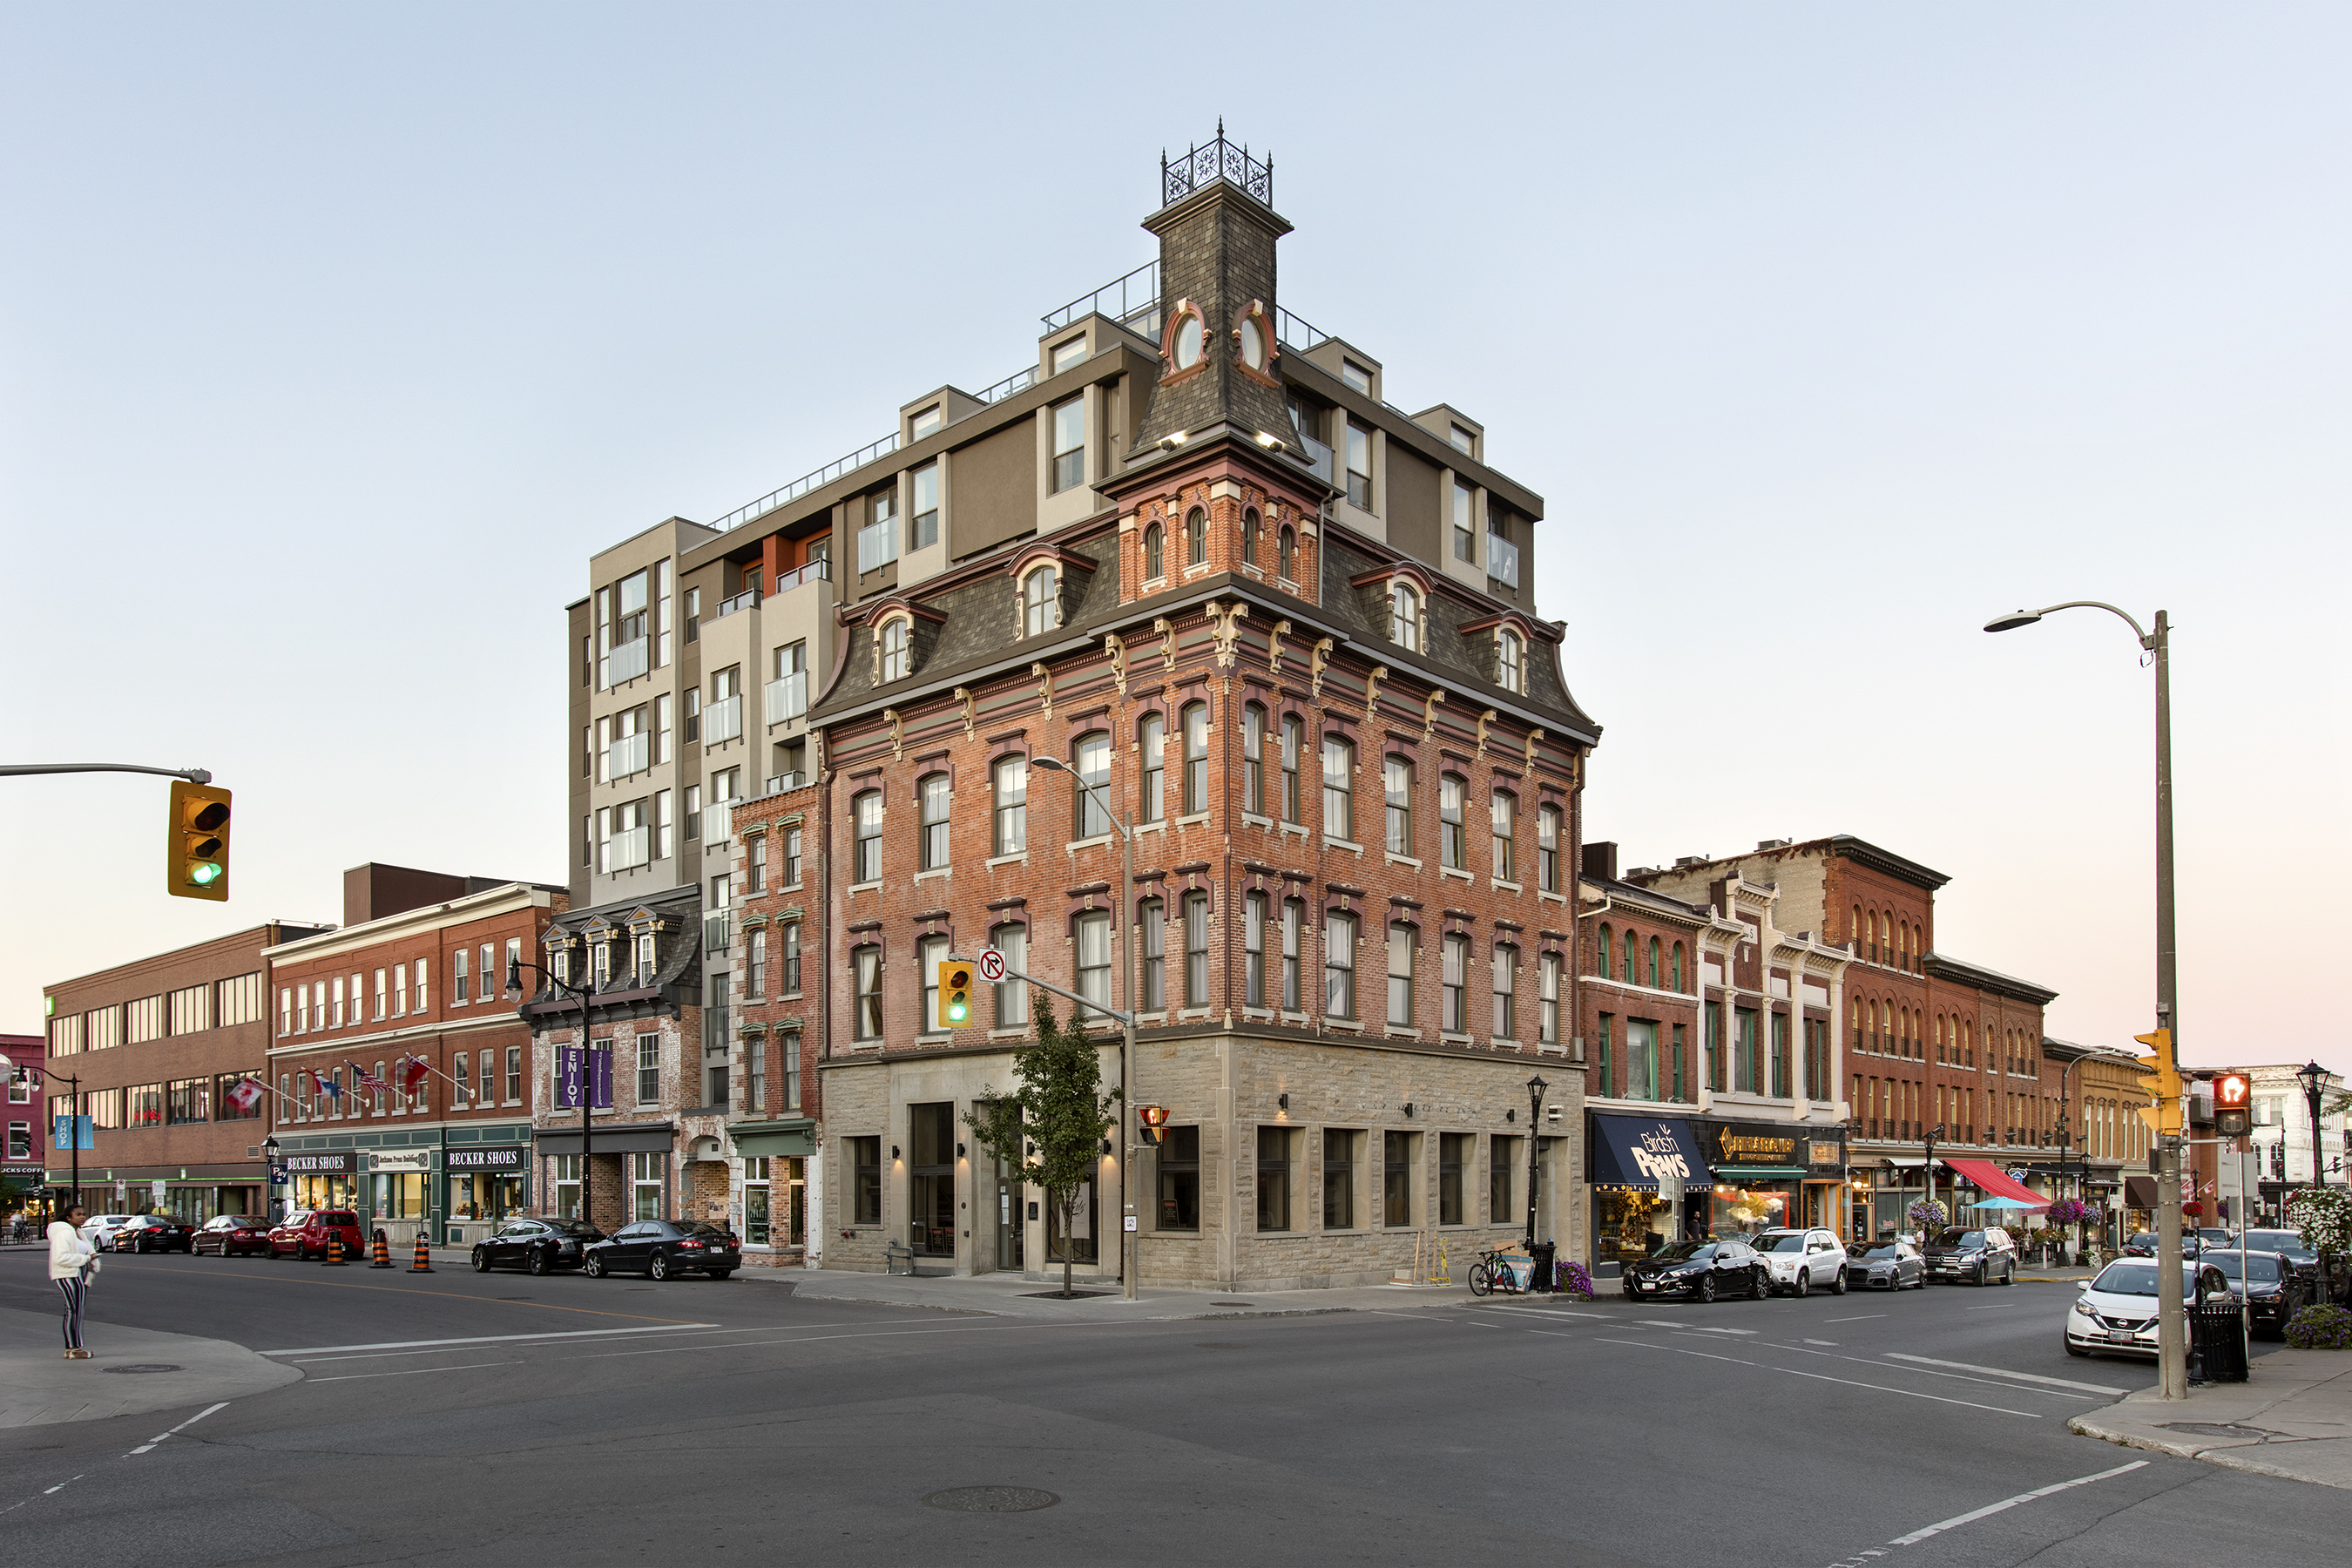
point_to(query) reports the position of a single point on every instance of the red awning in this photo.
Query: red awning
(1996, 1181)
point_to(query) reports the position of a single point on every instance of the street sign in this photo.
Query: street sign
(992, 964)
(1130, 1222)
(155, 1191)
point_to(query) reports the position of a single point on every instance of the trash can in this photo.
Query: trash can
(1544, 1275)
(2217, 1337)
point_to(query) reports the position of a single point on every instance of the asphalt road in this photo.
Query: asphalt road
(619, 1421)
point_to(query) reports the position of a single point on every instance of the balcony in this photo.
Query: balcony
(877, 544)
(626, 662)
(749, 599)
(1133, 302)
(787, 697)
(1319, 458)
(717, 933)
(718, 821)
(778, 783)
(816, 571)
(873, 452)
(628, 849)
(1501, 560)
(629, 754)
(723, 720)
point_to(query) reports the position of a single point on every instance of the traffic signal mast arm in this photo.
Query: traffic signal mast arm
(193, 776)
(1111, 1013)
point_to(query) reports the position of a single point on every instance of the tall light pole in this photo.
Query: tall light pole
(2314, 1077)
(2172, 1348)
(1129, 1252)
(580, 994)
(1535, 1087)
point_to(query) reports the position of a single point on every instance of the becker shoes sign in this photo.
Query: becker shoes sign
(1658, 1155)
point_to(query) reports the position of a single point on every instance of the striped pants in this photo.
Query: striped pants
(75, 1291)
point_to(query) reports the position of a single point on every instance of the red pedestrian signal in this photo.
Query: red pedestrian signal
(2234, 1107)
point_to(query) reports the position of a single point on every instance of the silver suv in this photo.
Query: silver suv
(1985, 1257)
(1801, 1259)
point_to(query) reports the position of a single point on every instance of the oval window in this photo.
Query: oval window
(1252, 343)
(1188, 343)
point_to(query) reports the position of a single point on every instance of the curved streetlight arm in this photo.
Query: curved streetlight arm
(2027, 617)
(1055, 765)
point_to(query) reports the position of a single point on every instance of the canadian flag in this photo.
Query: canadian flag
(411, 1072)
(245, 1094)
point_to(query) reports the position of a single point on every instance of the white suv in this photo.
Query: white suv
(1801, 1259)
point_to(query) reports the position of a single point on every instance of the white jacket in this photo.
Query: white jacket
(70, 1252)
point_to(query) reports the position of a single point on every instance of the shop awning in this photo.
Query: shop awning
(608, 1141)
(1996, 1181)
(793, 1138)
(1636, 1150)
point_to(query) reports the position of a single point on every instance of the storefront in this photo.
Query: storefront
(322, 1181)
(486, 1184)
(627, 1173)
(772, 1196)
(1768, 1174)
(23, 1193)
(397, 1179)
(1648, 1181)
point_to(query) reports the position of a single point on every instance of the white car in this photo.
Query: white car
(2116, 1311)
(1801, 1259)
(101, 1229)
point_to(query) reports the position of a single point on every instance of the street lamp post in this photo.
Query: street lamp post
(1927, 1173)
(2172, 1347)
(2314, 1077)
(1535, 1087)
(73, 1134)
(1129, 1251)
(580, 994)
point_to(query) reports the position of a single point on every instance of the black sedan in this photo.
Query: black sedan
(1893, 1265)
(2288, 1244)
(155, 1233)
(2142, 1244)
(665, 1248)
(1701, 1270)
(541, 1245)
(2273, 1288)
(230, 1233)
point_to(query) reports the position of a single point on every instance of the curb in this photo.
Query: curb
(2231, 1458)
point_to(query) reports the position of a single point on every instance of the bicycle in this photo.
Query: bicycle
(1492, 1272)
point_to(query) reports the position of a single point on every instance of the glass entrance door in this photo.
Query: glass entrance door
(1011, 1229)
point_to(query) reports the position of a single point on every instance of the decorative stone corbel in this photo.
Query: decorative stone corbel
(1167, 630)
(1117, 647)
(1044, 686)
(964, 697)
(1373, 689)
(1315, 662)
(1225, 615)
(1485, 720)
(897, 735)
(1528, 762)
(1274, 645)
(1429, 714)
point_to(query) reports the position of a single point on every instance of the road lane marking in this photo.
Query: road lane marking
(189, 1422)
(1831, 1343)
(411, 1371)
(488, 1339)
(444, 1347)
(1878, 1388)
(1928, 1372)
(2020, 1376)
(1958, 1519)
(1559, 1312)
(399, 1290)
(1864, 1318)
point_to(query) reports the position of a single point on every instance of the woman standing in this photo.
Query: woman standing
(73, 1259)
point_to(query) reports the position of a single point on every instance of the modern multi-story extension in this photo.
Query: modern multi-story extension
(160, 1047)
(1283, 632)
(1713, 1094)
(1931, 1044)
(399, 1069)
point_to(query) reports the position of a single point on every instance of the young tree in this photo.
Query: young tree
(1060, 1111)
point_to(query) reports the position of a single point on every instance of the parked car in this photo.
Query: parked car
(154, 1233)
(2288, 1244)
(1986, 1257)
(2143, 1244)
(1801, 1259)
(664, 1249)
(2272, 1289)
(541, 1245)
(231, 1234)
(2209, 1236)
(1701, 1270)
(303, 1234)
(102, 1229)
(2116, 1311)
(1891, 1264)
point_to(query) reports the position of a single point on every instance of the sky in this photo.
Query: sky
(333, 340)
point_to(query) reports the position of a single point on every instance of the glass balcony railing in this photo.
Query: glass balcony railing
(718, 821)
(877, 544)
(778, 783)
(717, 933)
(629, 754)
(787, 697)
(625, 662)
(723, 720)
(628, 849)
(1501, 560)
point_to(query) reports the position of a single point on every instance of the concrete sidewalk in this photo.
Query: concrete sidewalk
(38, 1386)
(2292, 1418)
(1010, 1296)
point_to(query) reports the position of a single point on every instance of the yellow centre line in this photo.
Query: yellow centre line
(404, 1291)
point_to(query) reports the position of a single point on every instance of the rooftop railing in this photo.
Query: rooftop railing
(1127, 300)
(1019, 381)
(807, 482)
(1220, 160)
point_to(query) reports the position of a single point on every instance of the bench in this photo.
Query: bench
(895, 1252)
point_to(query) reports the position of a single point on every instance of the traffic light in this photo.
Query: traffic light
(196, 851)
(954, 981)
(2234, 1110)
(2164, 1116)
(1148, 1120)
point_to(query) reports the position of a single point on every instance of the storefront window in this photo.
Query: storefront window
(756, 1178)
(930, 1166)
(563, 1176)
(1628, 1223)
(645, 1186)
(1736, 1209)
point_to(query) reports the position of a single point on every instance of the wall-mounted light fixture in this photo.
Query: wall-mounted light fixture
(1283, 1100)
(894, 1150)
(959, 1151)
(1408, 1110)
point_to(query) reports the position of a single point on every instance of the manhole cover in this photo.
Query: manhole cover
(2218, 1429)
(1232, 1303)
(143, 1366)
(991, 1499)
(1058, 1296)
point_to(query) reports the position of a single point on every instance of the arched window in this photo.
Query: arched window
(1254, 760)
(1605, 969)
(866, 813)
(1184, 343)
(932, 800)
(1631, 973)
(1678, 967)
(1505, 815)
(1152, 564)
(896, 657)
(1010, 781)
(1655, 948)
(1510, 669)
(1093, 755)
(1196, 537)
(1152, 740)
(1249, 537)
(1853, 933)
(1285, 565)
(1037, 616)
(1404, 616)
(1196, 721)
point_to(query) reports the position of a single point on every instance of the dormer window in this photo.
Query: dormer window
(1066, 354)
(1404, 616)
(1189, 337)
(1510, 660)
(1037, 608)
(1357, 378)
(1153, 550)
(926, 423)
(898, 652)
(1196, 537)
(1252, 343)
(1285, 561)
(1463, 442)
(645, 966)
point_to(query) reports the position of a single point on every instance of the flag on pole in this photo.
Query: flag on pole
(326, 1085)
(366, 1079)
(412, 1073)
(243, 1095)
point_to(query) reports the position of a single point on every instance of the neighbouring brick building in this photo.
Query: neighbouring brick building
(24, 1130)
(780, 991)
(1930, 1042)
(158, 1046)
(409, 992)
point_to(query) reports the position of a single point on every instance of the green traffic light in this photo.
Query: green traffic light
(956, 1011)
(203, 874)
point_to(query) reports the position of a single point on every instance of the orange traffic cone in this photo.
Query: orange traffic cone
(334, 1249)
(422, 1263)
(382, 1258)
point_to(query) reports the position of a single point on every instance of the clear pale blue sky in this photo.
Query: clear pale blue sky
(331, 343)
